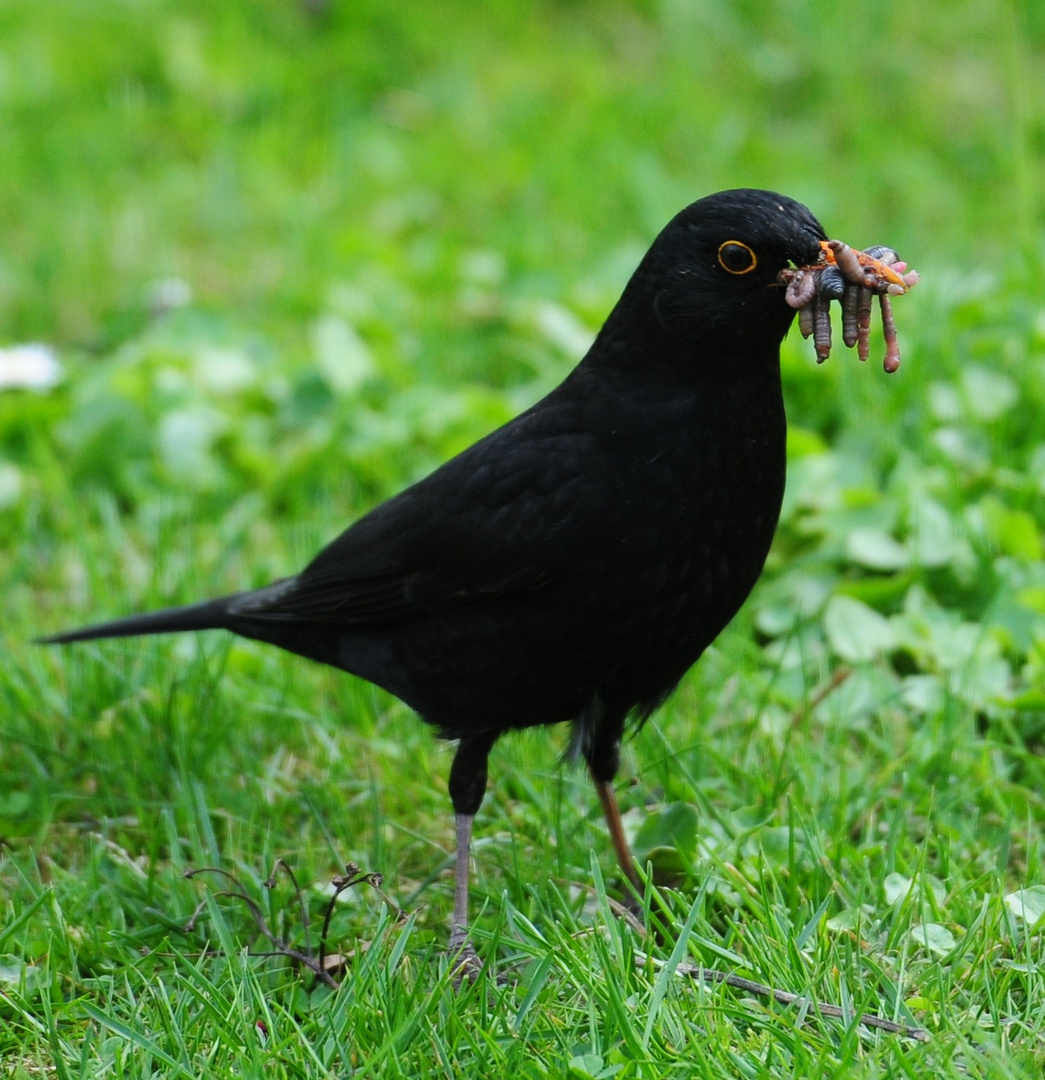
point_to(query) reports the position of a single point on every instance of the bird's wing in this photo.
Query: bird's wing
(484, 525)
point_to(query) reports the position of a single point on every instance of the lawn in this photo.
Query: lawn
(292, 255)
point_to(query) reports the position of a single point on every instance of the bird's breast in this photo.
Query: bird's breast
(694, 519)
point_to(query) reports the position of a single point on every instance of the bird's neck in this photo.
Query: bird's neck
(720, 373)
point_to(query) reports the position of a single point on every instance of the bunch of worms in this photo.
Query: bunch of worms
(852, 277)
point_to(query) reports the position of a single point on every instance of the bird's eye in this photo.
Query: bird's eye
(736, 258)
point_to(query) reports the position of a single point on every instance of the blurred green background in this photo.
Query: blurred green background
(292, 255)
(267, 151)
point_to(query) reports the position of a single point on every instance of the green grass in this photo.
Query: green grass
(399, 224)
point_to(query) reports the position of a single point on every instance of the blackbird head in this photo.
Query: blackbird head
(710, 277)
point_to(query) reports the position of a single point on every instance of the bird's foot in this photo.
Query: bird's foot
(464, 960)
(633, 906)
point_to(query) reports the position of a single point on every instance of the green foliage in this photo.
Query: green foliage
(293, 255)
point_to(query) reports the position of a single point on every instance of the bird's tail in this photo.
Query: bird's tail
(209, 615)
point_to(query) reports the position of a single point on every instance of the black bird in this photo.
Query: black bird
(573, 564)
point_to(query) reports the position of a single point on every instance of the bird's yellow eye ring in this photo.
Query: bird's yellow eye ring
(735, 257)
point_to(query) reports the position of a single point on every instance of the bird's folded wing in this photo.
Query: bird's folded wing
(346, 600)
(460, 536)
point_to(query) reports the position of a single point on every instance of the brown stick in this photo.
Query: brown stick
(784, 997)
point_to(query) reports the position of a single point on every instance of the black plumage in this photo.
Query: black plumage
(573, 564)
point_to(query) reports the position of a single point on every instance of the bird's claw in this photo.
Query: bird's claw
(464, 960)
(852, 277)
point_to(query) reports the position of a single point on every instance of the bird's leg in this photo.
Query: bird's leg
(467, 788)
(601, 749)
(459, 924)
(611, 812)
